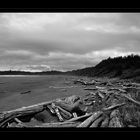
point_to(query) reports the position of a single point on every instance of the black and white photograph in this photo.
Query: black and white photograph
(69, 70)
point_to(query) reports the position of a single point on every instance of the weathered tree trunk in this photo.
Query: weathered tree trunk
(10, 116)
(96, 122)
(64, 113)
(57, 112)
(81, 118)
(90, 120)
(105, 122)
(113, 107)
(63, 124)
(130, 99)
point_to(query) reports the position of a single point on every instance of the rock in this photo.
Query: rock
(72, 99)
(114, 113)
(127, 118)
(115, 120)
(26, 92)
(46, 116)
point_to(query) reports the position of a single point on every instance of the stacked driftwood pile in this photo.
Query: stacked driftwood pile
(108, 104)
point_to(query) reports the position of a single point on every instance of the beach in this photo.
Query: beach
(23, 90)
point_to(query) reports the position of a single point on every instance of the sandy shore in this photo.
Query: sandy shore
(42, 88)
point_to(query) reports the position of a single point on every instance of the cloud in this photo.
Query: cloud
(111, 28)
(29, 21)
(60, 60)
(66, 40)
(32, 68)
(18, 52)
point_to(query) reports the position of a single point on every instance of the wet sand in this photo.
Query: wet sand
(42, 88)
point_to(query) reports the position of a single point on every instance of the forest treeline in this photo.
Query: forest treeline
(122, 67)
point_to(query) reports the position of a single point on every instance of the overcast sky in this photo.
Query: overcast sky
(65, 41)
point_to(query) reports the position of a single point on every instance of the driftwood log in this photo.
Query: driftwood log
(57, 112)
(113, 107)
(51, 109)
(64, 113)
(63, 124)
(81, 118)
(10, 116)
(105, 122)
(100, 108)
(90, 120)
(96, 122)
(130, 99)
(7, 116)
